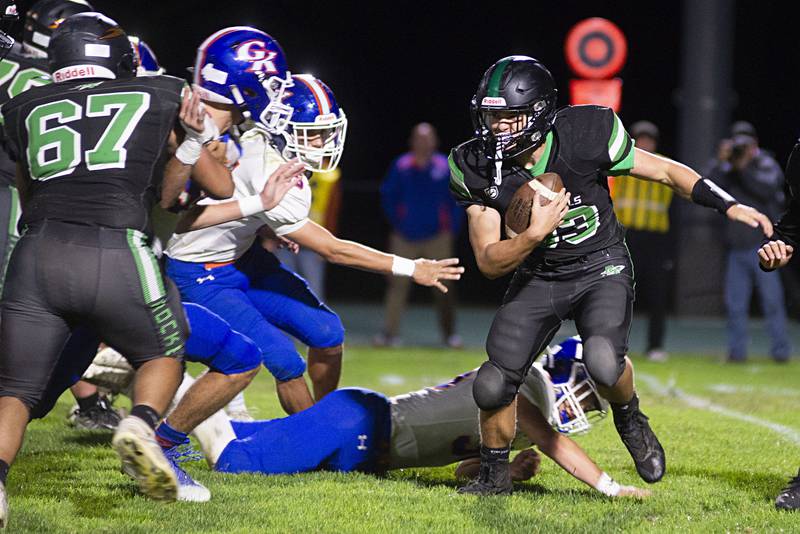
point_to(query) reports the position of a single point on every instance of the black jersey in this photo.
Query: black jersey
(95, 150)
(585, 146)
(18, 73)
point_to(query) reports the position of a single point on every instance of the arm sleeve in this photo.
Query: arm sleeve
(617, 156)
(788, 227)
(458, 187)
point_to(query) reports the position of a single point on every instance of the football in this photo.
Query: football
(518, 214)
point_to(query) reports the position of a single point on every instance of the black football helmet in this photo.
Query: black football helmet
(43, 18)
(90, 45)
(8, 17)
(514, 85)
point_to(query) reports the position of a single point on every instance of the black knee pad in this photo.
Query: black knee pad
(601, 360)
(492, 389)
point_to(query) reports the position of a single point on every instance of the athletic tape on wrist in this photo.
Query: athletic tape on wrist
(607, 485)
(403, 266)
(189, 151)
(251, 205)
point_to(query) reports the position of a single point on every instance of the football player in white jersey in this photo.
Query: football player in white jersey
(240, 73)
(355, 429)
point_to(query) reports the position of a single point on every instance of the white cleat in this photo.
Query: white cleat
(143, 459)
(189, 490)
(3, 506)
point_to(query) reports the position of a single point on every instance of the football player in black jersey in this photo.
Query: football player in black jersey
(774, 254)
(92, 149)
(572, 262)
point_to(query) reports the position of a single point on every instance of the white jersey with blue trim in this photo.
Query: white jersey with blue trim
(228, 241)
(439, 425)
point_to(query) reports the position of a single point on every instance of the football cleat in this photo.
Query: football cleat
(3, 506)
(493, 479)
(101, 416)
(789, 498)
(641, 442)
(189, 490)
(143, 459)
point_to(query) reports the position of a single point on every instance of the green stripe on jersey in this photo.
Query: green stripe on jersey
(541, 163)
(147, 268)
(617, 142)
(494, 81)
(457, 184)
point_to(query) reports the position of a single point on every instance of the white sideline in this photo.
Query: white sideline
(655, 385)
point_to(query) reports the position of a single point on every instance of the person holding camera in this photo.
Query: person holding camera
(753, 176)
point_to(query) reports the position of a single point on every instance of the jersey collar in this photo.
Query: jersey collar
(541, 163)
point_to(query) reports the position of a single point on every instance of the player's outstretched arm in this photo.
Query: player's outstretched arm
(690, 185)
(568, 454)
(189, 158)
(496, 257)
(351, 254)
(278, 184)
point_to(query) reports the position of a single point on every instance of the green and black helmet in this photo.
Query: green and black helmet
(517, 85)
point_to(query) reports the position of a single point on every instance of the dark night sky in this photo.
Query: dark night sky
(394, 64)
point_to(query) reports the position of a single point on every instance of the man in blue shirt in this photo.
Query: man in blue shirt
(425, 220)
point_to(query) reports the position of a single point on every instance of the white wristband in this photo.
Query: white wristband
(403, 266)
(607, 485)
(189, 151)
(251, 205)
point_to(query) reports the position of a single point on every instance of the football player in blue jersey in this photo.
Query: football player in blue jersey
(354, 429)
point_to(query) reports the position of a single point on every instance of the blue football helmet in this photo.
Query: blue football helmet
(244, 66)
(317, 126)
(146, 60)
(571, 403)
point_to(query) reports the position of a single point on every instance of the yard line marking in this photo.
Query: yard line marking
(761, 390)
(655, 385)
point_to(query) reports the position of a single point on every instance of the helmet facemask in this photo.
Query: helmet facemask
(327, 132)
(527, 133)
(577, 404)
(276, 115)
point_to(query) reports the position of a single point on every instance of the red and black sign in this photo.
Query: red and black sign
(596, 49)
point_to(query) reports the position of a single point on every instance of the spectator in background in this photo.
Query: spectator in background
(643, 208)
(753, 177)
(425, 221)
(326, 199)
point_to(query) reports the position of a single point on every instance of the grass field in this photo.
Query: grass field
(723, 469)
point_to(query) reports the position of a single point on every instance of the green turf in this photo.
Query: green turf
(722, 474)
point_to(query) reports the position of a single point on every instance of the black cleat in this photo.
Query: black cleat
(639, 439)
(100, 416)
(789, 498)
(493, 479)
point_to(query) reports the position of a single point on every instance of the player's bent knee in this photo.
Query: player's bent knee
(492, 388)
(602, 362)
(284, 365)
(329, 331)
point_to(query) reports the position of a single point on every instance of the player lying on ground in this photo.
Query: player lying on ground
(777, 253)
(571, 262)
(355, 429)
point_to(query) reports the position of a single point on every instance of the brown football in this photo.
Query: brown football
(518, 214)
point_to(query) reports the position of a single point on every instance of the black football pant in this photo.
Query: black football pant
(596, 291)
(65, 277)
